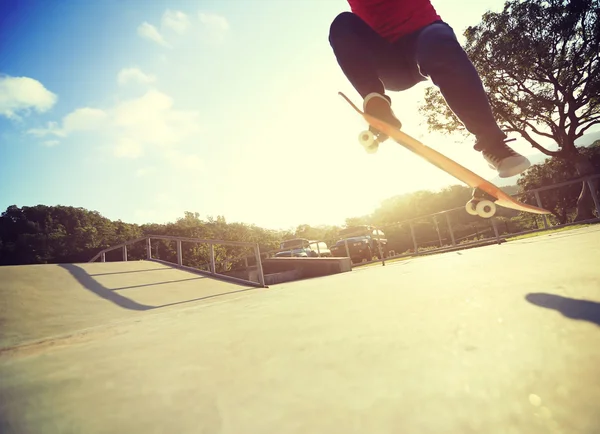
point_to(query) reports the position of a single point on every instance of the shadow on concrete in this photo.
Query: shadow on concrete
(157, 283)
(128, 272)
(252, 288)
(89, 283)
(582, 310)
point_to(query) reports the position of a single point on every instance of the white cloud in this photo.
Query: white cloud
(144, 171)
(214, 21)
(22, 94)
(151, 119)
(184, 161)
(176, 21)
(214, 27)
(50, 143)
(148, 31)
(132, 125)
(128, 148)
(128, 75)
(82, 119)
(52, 128)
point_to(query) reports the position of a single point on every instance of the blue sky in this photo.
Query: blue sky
(142, 110)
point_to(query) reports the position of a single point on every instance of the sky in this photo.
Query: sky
(144, 109)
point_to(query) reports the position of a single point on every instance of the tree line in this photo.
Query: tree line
(62, 234)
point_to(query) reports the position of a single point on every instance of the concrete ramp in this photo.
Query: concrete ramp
(41, 301)
(503, 339)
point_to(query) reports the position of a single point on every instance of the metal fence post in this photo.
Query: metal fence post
(261, 276)
(125, 253)
(213, 269)
(493, 219)
(103, 257)
(179, 254)
(412, 232)
(539, 204)
(379, 247)
(450, 229)
(437, 229)
(594, 197)
(148, 248)
(347, 249)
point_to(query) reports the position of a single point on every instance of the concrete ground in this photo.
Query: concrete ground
(499, 339)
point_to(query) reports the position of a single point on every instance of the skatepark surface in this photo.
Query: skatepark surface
(497, 339)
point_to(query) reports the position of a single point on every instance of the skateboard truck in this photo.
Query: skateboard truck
(481, 204)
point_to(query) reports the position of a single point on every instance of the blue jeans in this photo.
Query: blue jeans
(373, 64)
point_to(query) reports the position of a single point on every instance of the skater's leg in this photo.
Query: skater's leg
(365, 57)
(358, 50)
(440, 57)
(371, 63)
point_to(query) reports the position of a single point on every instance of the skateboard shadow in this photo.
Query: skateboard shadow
(582, 310)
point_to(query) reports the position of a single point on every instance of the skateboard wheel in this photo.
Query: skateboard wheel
(470, 207)
(486, 209)
(373, 148)
(366, 138)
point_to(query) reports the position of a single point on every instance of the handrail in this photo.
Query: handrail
(118, 246)
(561, 184)
(179, 240)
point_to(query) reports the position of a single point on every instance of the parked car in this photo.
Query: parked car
(302, 247)
(363, 243)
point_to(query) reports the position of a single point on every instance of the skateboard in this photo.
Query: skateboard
(485, 196)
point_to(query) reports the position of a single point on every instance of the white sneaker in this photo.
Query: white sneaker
(503, 158)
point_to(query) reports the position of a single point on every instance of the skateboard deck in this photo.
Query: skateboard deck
(446, 164)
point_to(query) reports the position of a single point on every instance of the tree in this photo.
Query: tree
(51, 234)
(539, 61)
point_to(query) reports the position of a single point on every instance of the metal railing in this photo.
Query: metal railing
(211, 264)
(492, 234)
(448, 236)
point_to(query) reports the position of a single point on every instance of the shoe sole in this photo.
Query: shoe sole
(514, 169)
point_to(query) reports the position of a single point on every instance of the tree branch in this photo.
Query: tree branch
(530, 139)
(546, 119)
(591, 122)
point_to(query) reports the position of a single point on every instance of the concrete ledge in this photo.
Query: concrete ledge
(284, 276)
(307, 267)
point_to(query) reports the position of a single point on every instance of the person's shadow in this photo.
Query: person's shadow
(582, 310)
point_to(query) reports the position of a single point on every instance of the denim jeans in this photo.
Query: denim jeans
(372, 64)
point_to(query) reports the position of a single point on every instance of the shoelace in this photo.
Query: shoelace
(501, 152)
